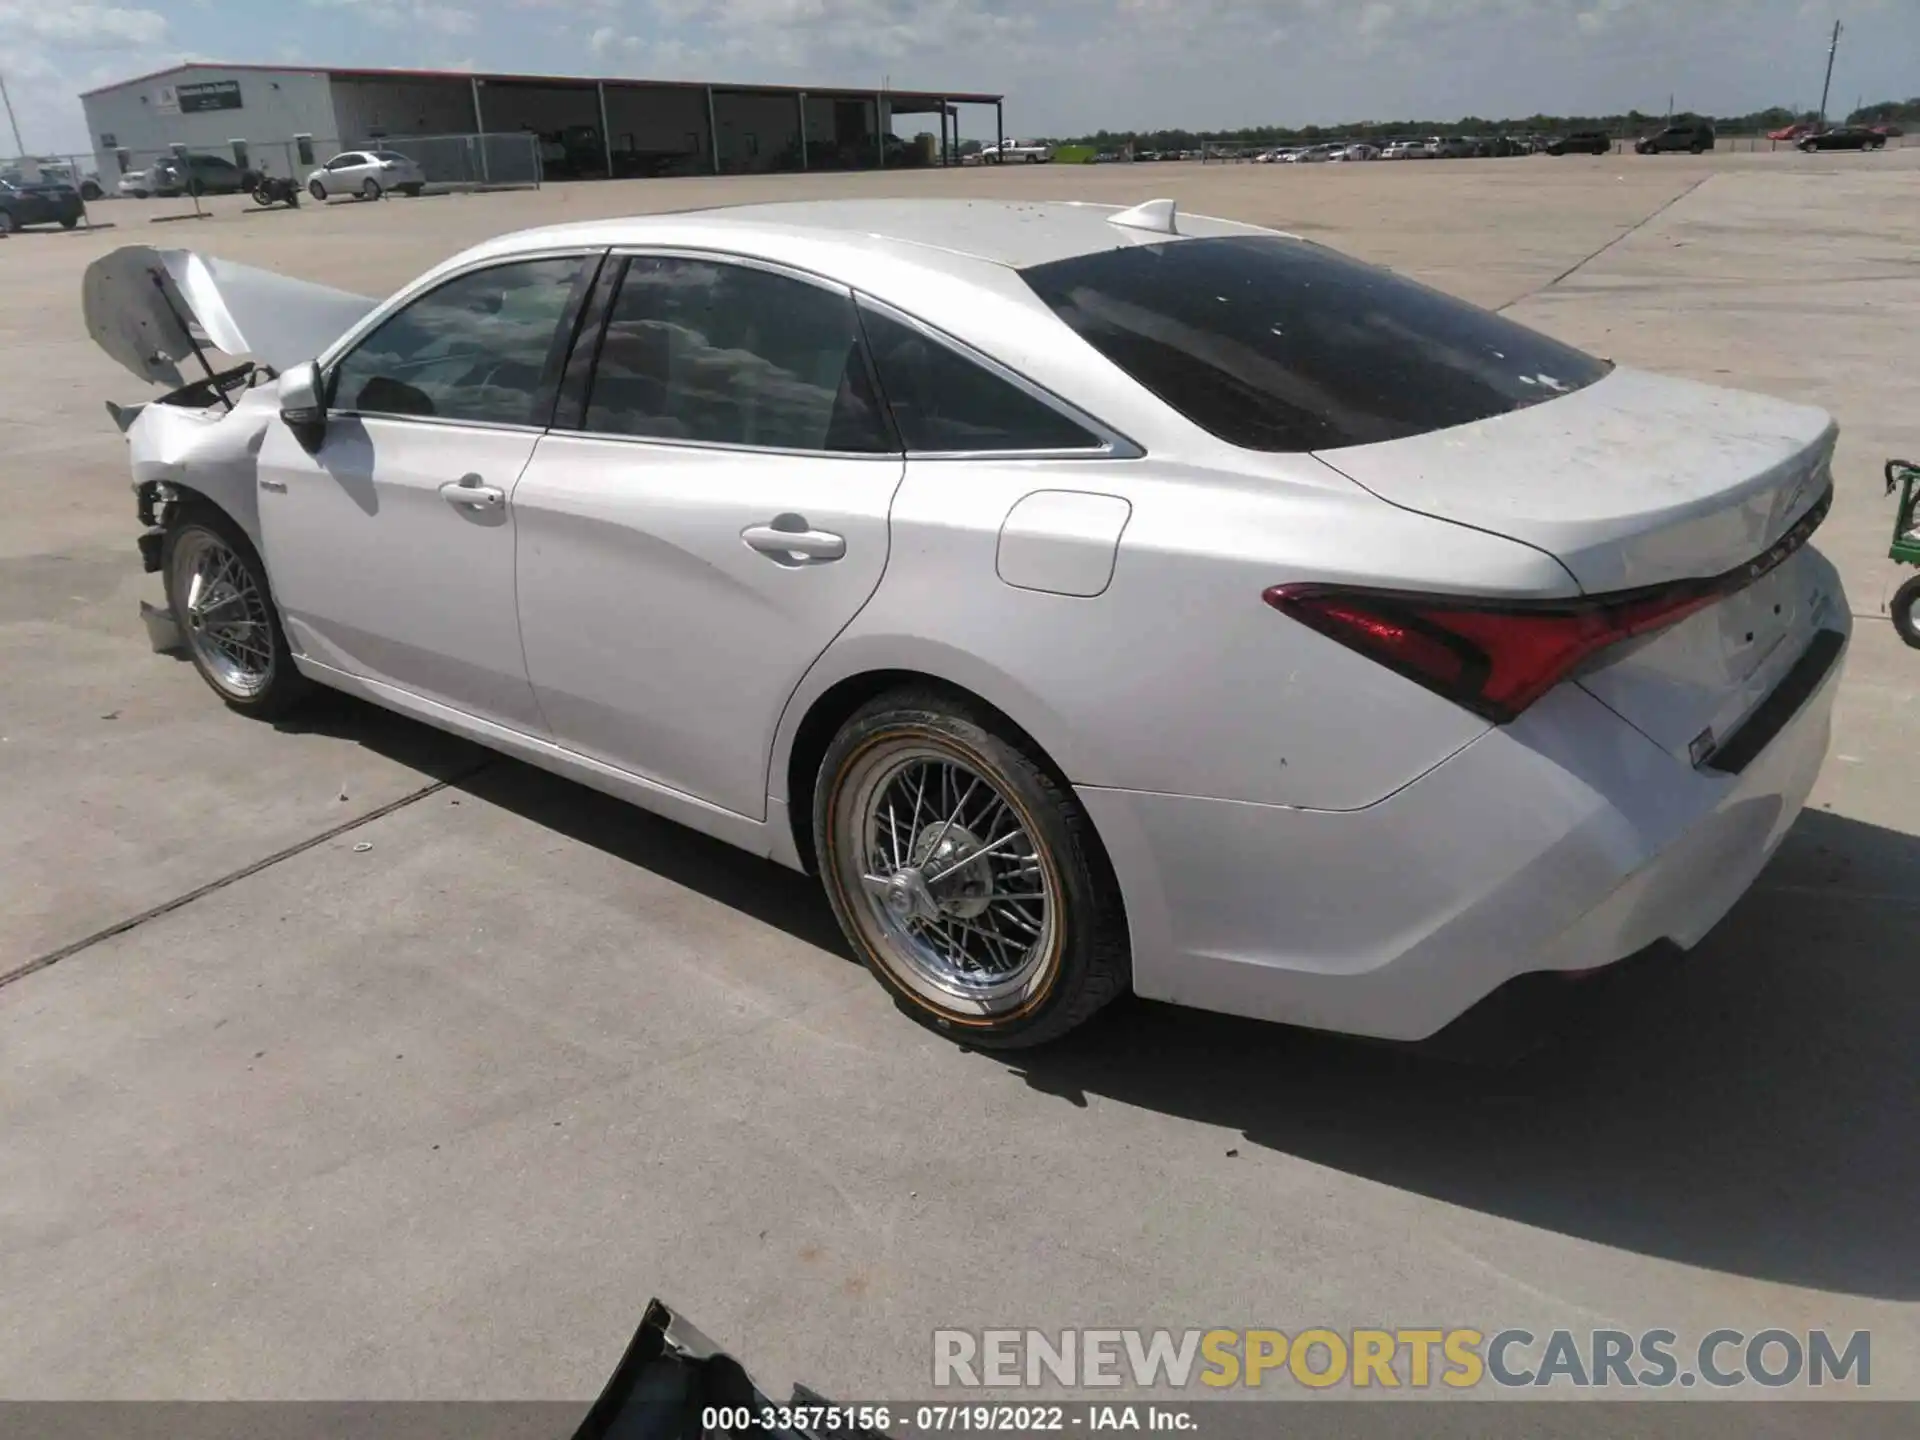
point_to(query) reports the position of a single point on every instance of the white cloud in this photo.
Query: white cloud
(406, 15)
(83, 27)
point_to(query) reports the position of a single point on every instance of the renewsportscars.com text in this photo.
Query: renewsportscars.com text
(1391, 1359)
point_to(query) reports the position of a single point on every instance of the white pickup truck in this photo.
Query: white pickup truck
(1017, 152)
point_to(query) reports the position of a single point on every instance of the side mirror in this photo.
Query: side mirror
(302, 406)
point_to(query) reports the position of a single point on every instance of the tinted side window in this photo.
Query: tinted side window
(729, 355)
(944, 402)
(1282, 345)
(478, 348)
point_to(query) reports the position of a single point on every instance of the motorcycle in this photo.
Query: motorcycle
(274, 190)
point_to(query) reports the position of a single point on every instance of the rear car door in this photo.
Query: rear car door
(390, 545)
(709, 512)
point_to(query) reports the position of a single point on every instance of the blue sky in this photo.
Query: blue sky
(1067, 66)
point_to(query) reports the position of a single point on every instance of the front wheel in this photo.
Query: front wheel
(965, 873)
(1906, 612)
(317, 190)
(263, 197)
(217, 588)
(69, 221)
(1696, 148)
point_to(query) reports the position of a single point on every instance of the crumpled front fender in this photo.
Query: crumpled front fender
(213, 452)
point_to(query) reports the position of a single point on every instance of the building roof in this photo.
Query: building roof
(488, 77)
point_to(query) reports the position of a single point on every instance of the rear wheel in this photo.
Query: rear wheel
(1695, 148)
(7, 226)
(217, 588)
(69, 222)
(1906, 612)
(370, 189)
(965, 874)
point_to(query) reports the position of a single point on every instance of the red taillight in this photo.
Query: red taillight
(1495, 658)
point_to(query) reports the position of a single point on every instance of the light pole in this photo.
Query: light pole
(1827, 84)
(19, 148)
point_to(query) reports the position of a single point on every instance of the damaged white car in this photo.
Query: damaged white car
(1096, 600)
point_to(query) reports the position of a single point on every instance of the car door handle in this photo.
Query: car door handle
(789, 540)
(468, 491)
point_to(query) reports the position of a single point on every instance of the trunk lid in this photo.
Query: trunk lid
(1640, 481)
(1635, 480)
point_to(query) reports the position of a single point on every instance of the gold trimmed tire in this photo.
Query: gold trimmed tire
(965, 874)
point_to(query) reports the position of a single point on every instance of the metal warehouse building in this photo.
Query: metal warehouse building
(486, 126)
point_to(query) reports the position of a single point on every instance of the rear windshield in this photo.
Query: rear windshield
(1279, 344)
(388, 155)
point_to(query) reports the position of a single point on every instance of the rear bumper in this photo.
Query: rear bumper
(1563, 842)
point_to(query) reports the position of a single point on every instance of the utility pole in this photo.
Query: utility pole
(1825, 85)
(18, 148)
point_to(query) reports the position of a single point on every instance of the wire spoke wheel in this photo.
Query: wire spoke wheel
(947, 879)
(223, 613)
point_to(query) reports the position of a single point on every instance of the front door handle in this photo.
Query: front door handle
(790, 540)
(468, 491)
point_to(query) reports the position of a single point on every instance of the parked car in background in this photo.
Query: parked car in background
(368, 174)
(1843, 137)
(1017, 152)
(1693, 137)
(1892, 132)
(1581, 142)
(135, 184)
(1794, 131)
(201, 175)
(43, 202)
(1453, 147)
(1361, 151)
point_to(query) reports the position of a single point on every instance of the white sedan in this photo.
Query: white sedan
(1095, 600)
(368, 174)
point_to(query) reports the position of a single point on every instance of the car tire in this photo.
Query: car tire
(231, 628)
(1031, 934)
(317, 190)
(369, 189)
(69, 221)
(412, 192)
(1906, 611)
(1696, 148)
(91, 192)
(141, 194)
(7, 226)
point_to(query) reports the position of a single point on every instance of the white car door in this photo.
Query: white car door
(717, 515)
(390, 545)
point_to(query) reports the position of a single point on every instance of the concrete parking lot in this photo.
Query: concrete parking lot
(434, 1118)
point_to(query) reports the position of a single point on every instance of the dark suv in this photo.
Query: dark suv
(1691, 138)
(1581, 142)
(26, 202)
(202, 175)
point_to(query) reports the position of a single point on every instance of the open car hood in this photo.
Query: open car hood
(136, 299)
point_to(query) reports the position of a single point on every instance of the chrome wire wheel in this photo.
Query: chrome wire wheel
(222, 611)
(947, 880)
